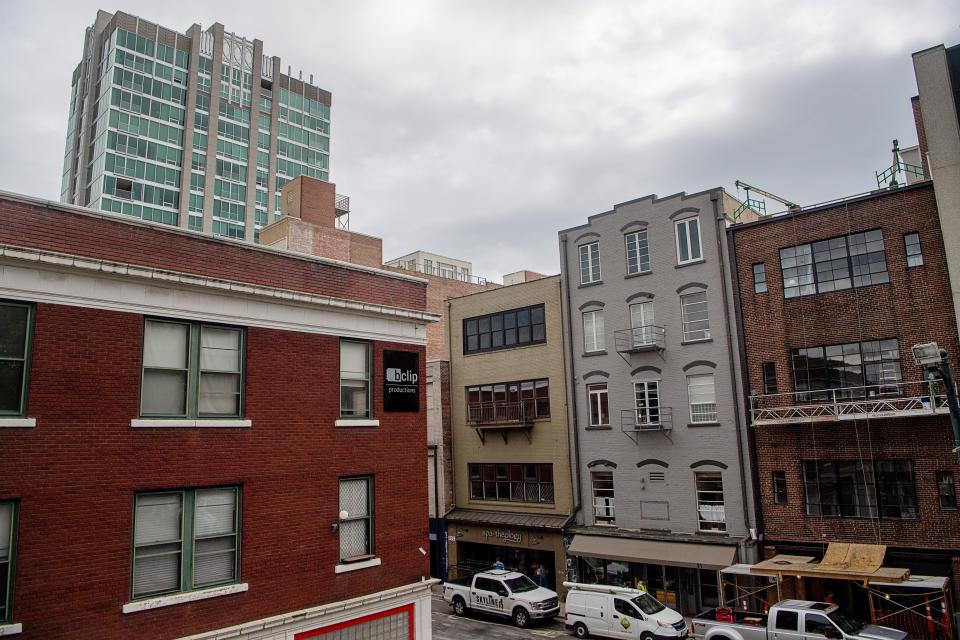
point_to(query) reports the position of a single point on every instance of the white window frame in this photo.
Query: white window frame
(701, 412)
(594, 339)
(711, 514)
(604, 499)
(650, 402)
(592, 255)
(642, 334)
(594, 391)
(642, 266)
(691, 335)
(682, 228)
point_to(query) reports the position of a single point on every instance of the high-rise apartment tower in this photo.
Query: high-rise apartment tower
(198, 130)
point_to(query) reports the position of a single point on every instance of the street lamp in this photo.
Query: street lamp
(935, 362)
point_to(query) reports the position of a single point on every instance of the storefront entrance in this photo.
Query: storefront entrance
(687, 590)
(480, 557)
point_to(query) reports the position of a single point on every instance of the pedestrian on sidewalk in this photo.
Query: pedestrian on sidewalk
(542, 574)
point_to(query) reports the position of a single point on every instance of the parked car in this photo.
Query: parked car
(788, 620)
(503, 593)
(618, 612)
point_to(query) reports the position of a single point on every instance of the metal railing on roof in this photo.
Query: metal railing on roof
(450, 274)
(878, 401)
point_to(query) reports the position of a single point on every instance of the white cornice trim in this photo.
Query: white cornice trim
(66, 280)
(159, 226)
(120, 269)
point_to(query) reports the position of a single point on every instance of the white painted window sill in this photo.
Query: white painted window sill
(14, 423)
(356, 566)
(188, 596)
(11, 629)
(186, 422)
(356, 422)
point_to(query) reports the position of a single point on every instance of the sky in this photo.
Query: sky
(478, 130)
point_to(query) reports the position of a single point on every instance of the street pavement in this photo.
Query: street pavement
(447, 626)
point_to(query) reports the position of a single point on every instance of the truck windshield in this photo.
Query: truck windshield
(521, 584)
(847, 625)
(648, 604)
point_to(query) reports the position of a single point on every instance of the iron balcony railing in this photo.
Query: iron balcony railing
(503, 413)
(651, 419)
(888, 400)
(644, 338)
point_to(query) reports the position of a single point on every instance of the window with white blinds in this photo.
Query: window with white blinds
(355, 379)
(185, 540)
(8, 525)
(356, 518)
(191, 370)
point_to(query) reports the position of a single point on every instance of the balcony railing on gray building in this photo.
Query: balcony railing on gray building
(651, 420)
(887, 400)
(504, 416)
(648, 337)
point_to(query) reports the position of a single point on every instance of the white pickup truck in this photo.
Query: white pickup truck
(503, 593)
(788, 620)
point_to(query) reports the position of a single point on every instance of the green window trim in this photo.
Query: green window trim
(8, 561)
(193, 372)
(364, 380)
(187, 542)
(369, 518)
(10, 360)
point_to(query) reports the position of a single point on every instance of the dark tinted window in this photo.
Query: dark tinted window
(513, 328)
(625, 608)
(816, 623)
(787, 620)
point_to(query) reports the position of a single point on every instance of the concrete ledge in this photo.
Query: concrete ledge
(189, 423)
(11, 629)
(351, 422)
(16, 423)
(356, 566)
(188, 596)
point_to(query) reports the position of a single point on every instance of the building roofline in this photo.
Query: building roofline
(831, 204)
(682, 195)
(159, 226)
(436, 255)
(502, 287)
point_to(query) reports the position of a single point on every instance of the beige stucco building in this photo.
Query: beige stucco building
(511, 453)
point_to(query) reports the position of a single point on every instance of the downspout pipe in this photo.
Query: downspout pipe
(568, 369)
(720, 225)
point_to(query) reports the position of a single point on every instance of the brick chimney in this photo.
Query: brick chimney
(310, 200)
(309, 225)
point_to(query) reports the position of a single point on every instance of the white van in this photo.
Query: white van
(617, 612)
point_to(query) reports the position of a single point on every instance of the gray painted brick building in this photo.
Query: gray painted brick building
(653, 369)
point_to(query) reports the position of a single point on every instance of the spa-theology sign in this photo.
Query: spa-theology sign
(401, 381)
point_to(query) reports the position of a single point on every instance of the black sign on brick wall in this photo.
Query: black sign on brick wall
(401, 381)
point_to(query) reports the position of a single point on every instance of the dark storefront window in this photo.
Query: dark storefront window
(512, 482)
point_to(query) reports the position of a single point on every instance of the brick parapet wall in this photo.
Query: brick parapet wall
(65, 230)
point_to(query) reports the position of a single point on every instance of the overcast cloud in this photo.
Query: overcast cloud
(479, 129)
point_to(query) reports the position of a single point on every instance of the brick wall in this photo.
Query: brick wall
(914, 307)
(69, 231)
(439, 290)
(77, 471)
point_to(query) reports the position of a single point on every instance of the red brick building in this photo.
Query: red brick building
(200, 437)
(849, 443)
